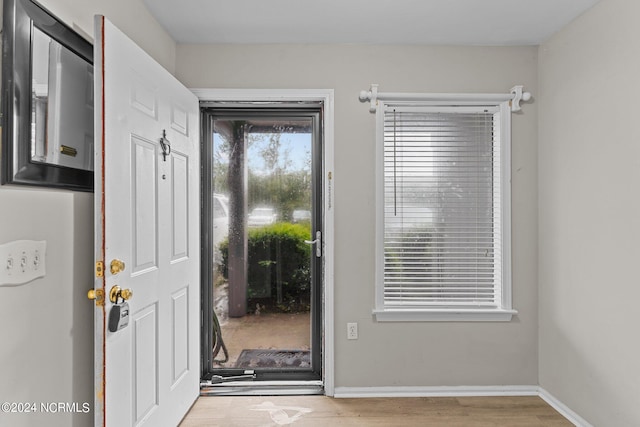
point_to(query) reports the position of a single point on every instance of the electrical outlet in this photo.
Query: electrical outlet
(352, 331)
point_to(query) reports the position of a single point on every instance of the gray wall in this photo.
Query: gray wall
(401, 354)
(46, 353)
(589, 209)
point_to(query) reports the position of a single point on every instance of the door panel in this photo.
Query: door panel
(180, 120)
(147, 215)
(143, 96)
(144, 194)
(145, 356)
(179, 202)
(180, 337)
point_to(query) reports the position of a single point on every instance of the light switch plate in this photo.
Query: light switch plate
(22, 261)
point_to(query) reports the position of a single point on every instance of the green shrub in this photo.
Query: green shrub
(278, 264)
(401, 245)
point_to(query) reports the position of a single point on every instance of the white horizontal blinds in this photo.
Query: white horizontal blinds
(441, 207)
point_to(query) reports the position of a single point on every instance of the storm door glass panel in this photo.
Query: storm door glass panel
(262, 207)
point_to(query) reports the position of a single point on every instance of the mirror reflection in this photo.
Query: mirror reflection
(61, 106)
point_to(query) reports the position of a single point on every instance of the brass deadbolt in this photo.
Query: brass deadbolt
(117, 266)
(116, 293)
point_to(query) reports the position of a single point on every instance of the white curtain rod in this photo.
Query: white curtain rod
(515, 96)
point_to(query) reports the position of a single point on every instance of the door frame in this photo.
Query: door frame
(326, 96)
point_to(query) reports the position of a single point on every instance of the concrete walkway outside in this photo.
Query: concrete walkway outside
(281, 331)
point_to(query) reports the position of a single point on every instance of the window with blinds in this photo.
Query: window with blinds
(443, 241)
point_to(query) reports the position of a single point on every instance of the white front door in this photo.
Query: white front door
(147, 216)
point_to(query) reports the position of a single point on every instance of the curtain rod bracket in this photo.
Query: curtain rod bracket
(372, 96)
(518, 96)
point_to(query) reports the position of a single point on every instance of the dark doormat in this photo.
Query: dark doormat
(281, 359)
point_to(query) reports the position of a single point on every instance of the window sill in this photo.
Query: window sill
(444, 315)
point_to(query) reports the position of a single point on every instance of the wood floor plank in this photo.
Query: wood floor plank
(303, 411)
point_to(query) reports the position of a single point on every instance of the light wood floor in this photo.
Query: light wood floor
(324, 411)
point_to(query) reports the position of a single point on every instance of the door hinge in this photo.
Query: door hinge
(99, 269)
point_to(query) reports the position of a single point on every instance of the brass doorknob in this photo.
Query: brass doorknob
(126, 294)
(116, 292)
(91, 294)
(117, 266)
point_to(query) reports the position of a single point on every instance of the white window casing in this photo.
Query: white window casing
(443, 207)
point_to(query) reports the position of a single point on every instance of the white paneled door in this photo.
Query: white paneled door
(147, 238)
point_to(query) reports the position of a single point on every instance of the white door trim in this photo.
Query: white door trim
(325, 96)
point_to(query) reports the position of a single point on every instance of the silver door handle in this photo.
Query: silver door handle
(318, 242)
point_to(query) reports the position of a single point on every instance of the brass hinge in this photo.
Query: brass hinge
(99, 269)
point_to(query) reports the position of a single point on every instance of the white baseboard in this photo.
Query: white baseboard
(343, 392)
(459, 391)
(562, 408)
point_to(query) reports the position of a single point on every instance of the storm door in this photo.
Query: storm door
(262, 244)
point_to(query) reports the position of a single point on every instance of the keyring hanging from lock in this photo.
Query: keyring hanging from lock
(165, 145)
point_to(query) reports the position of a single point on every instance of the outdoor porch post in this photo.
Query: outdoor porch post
(237, 221)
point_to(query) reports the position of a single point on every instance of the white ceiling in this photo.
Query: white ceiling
(435, 22)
